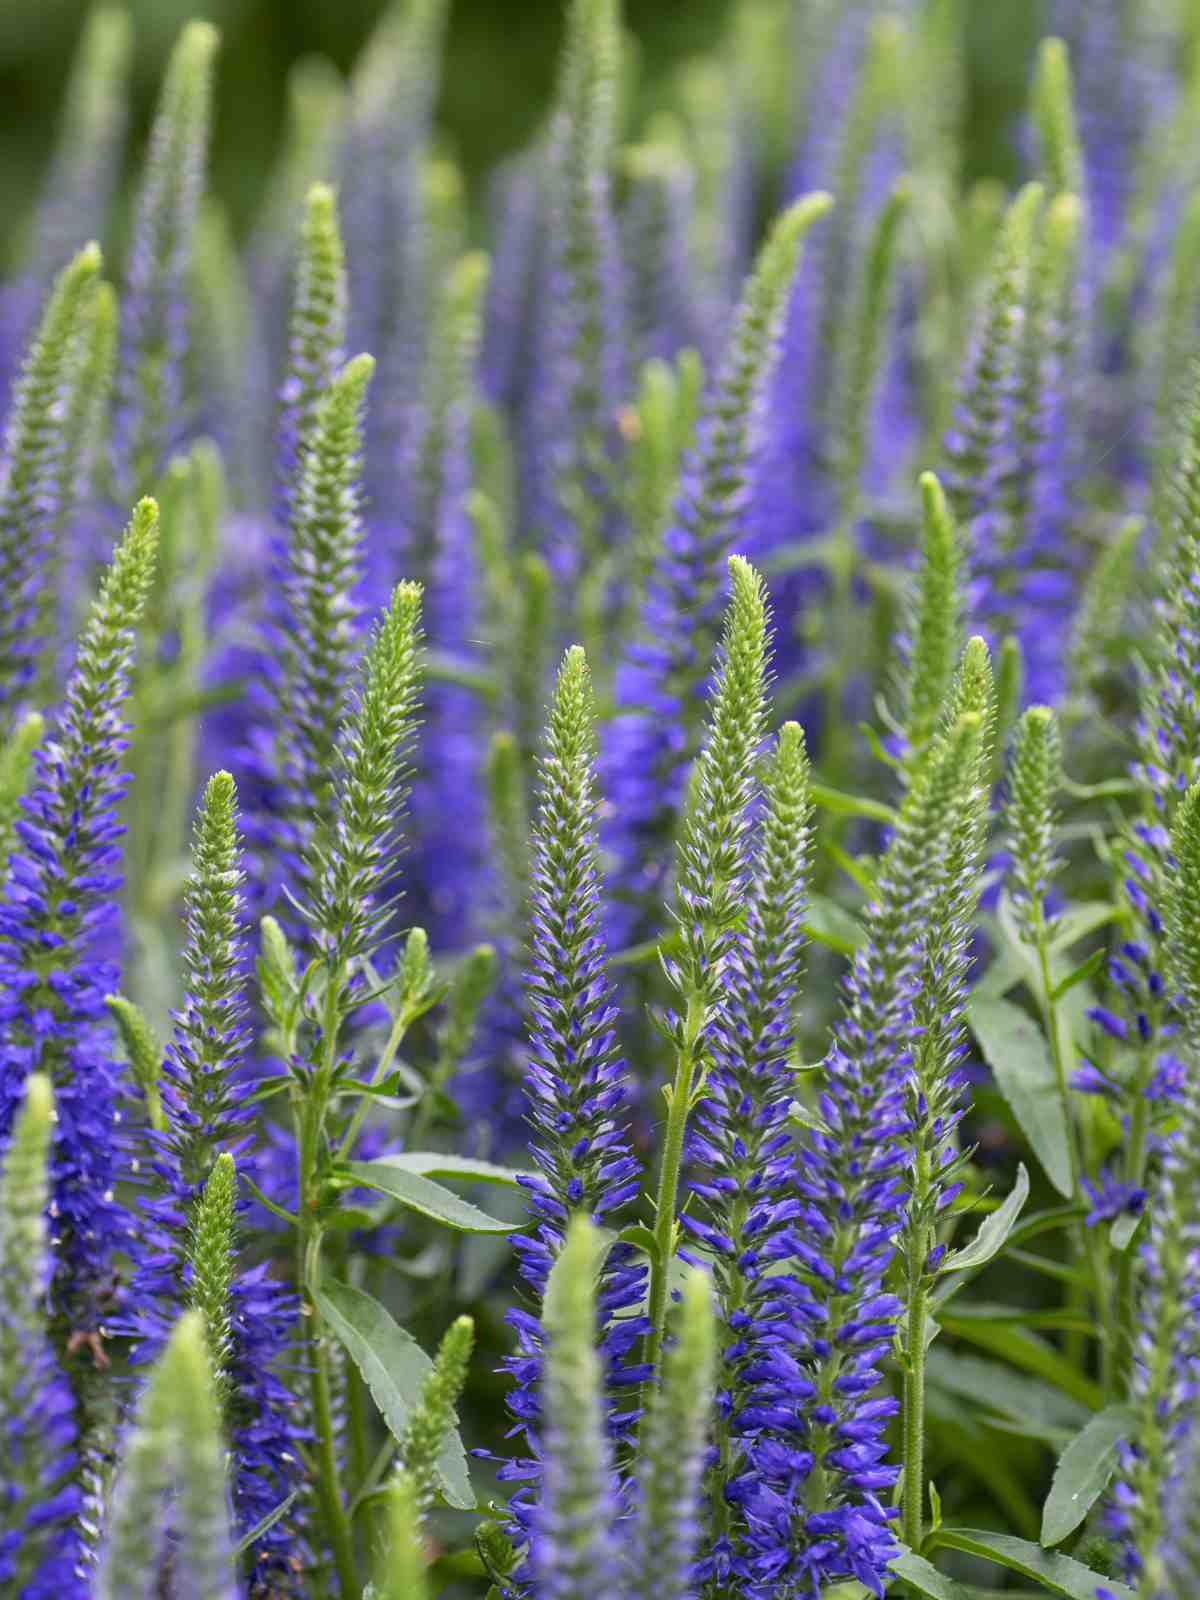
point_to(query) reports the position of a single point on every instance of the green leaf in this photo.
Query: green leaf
(851, 805)
(394, 1368)
(441, 1164)
(1123, 1229)
(1083, 1471)
(991, 1387)
(1076, 922)
(994, 1230)
(422, 1195)
(1026, 1350)
(641, 1237)
(1015, 1049)
(1086, 969)
(1059, 1574)
(926, 1579)
(265, 1524)
(827, 923)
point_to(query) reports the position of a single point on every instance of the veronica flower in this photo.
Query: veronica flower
(449, 797)
(383, 168)
(316, 334)
(741, 1147)
(956, 785)
(515, 206)
(1137, 1009)
(305, 696)
(573, 1549)
(657, 222)
(575, 1078)
(1127, 85)
(572, 421)
(832, 429)
(655, 731)
(153, 405)
(37, 468)
(39, 1499)
(75, 197)
(170, 1492)
(982, 448)
(1172, 1570)
(54, 935)
(1162, 1383)
(204, 1093)
(852, 1184)
(673, 1452)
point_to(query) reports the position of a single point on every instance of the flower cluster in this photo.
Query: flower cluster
(711, 1224)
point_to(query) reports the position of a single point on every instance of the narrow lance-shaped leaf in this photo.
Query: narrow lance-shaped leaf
(396, 1371)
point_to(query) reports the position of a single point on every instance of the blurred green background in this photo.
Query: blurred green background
(501, 60)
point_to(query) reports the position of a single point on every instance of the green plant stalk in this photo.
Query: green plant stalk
(395, 1039)
(913, 1445)
(679, 1104)
(310, 1131)
(914, 1410)
(1135, 1173)
(1085, 1244)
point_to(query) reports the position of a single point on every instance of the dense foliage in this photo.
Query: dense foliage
(607, 870)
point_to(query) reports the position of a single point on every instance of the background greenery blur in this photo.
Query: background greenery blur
(501, 60)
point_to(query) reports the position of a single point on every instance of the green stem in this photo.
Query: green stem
(1086, 1244)
(841, 629)
(1135, 1172)
(914, 1402)
(395, 1038)
(679, 1105)
(371, 1478)
(311, 1132)
(333, 1512)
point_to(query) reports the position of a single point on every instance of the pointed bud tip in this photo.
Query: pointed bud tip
(1065, 213)
(199, 41)
(799, 216)
(321, 199)
(357, 373)
(89, 260)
